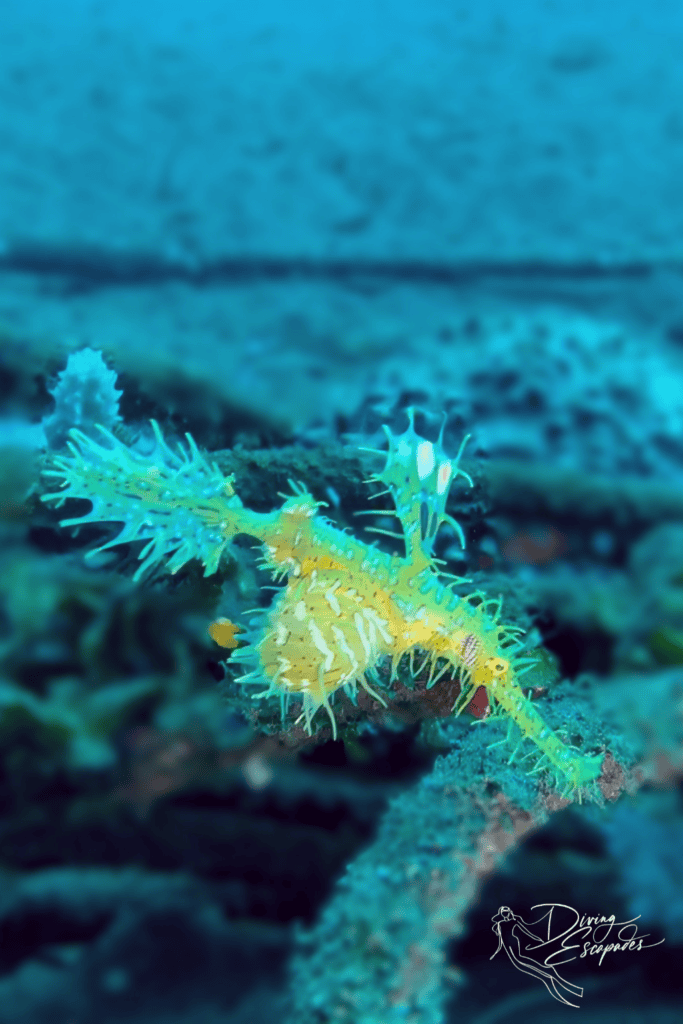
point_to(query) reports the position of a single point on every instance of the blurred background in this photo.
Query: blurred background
(277, 229)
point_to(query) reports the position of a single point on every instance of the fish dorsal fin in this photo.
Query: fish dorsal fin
(419, 475)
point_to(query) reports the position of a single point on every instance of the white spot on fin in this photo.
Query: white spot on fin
(424, 459)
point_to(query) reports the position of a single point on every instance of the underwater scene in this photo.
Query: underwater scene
(341, 518)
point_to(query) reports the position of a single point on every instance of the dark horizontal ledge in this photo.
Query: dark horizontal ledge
(99, 266)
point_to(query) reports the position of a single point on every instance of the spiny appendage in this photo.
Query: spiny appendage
(565, 763)
(146, 476)
(418, 475)
(296, 539)
(490, 654)
(177, 501)
(318, 637)
(313, 698)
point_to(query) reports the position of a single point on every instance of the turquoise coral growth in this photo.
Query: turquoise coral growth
(346, 606)
(84, 395)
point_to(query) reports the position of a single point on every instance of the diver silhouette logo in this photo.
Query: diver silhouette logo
(513, 933)
(564, 931)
